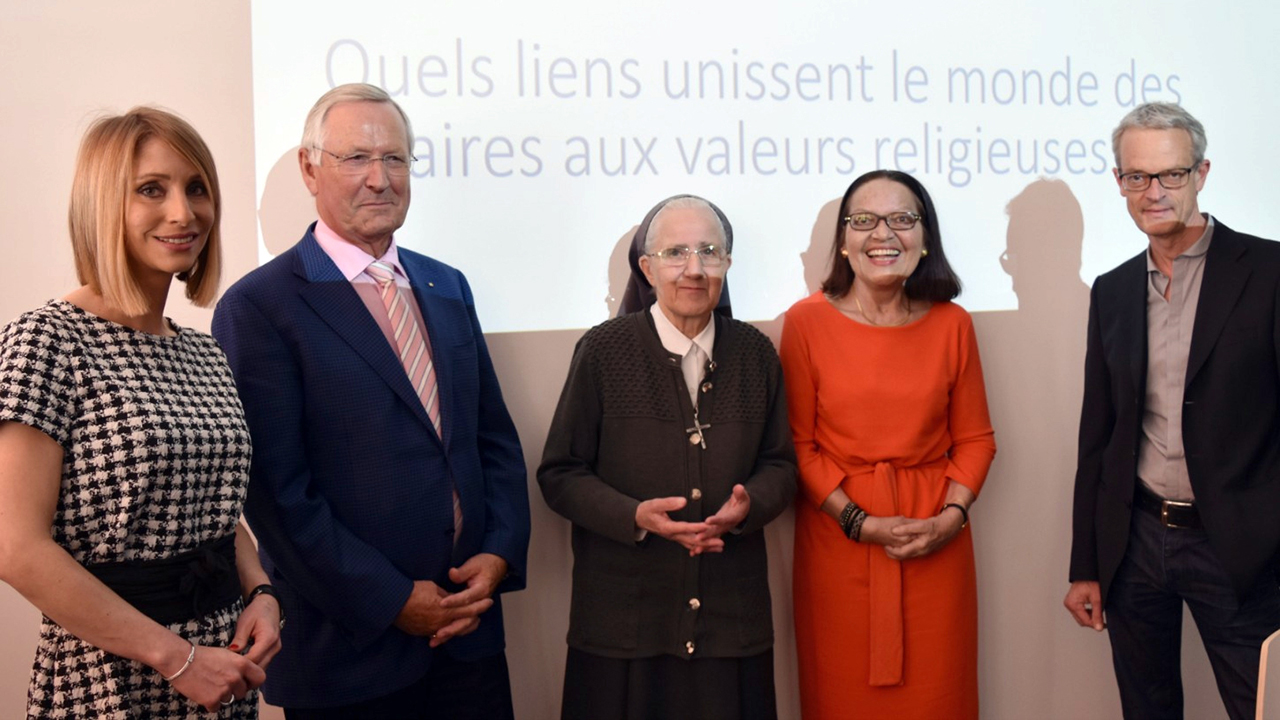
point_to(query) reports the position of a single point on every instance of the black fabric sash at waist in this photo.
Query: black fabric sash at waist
(179, 588)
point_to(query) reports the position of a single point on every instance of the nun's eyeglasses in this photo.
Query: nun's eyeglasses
(711, 256)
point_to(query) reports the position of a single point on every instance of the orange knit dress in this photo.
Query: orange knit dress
(889, 414)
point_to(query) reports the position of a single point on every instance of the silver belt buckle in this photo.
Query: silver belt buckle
(1164, 512)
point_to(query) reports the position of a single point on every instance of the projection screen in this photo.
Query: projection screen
(545, 131)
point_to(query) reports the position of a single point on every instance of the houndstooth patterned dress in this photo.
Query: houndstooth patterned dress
(156, 462)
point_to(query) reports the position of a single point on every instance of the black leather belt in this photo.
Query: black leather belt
(1170, 513)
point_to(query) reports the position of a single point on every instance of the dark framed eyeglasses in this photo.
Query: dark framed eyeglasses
(711, 256)
(869, 221)
(359, 163)
(1171, 179)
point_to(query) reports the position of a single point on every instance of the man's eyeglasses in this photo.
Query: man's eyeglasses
(1169, 179)
(711, 256)
(359, 163)
(869, 221)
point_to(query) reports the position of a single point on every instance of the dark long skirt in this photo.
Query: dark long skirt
(668, 688)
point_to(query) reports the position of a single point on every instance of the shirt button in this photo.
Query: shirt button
(695, 603)
(688, 647)
(696, 494)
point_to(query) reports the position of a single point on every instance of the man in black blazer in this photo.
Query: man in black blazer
(1178, 480)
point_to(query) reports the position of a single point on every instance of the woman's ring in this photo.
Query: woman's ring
(230, 699)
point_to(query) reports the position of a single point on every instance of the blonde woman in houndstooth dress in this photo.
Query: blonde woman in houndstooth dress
(124, 455)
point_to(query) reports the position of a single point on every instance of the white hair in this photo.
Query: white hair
(1162, 116)
(313, 132)
(684, 203)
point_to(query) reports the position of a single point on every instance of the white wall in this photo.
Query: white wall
(61, 62)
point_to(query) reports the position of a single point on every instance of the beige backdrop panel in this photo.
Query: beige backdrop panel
(63, 62)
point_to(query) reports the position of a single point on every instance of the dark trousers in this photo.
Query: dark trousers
(667, 687)
(451, 690)
(1162, 569)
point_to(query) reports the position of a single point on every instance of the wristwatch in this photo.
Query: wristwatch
(266, 589)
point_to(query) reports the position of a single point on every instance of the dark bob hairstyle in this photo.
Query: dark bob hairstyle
(933, 279)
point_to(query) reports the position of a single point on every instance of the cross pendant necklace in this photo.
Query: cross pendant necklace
(696, 436)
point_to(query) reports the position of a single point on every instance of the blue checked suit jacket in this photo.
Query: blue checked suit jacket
(350, 494)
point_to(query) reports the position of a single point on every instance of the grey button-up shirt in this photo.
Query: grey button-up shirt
(1162, 462)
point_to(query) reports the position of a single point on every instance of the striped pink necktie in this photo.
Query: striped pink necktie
(415, 356)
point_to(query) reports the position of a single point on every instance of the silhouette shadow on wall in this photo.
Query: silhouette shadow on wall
(619, 272)
(1033, 361)
(286, 207)
(1042, 253)
(815, 261)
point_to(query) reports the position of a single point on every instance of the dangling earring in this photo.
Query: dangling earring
(924, 252)
(844, 252)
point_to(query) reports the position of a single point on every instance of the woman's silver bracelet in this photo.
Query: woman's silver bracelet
(191, 657)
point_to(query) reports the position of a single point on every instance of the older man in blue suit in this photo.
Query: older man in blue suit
(388, 490)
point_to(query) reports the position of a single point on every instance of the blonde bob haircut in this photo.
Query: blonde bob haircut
(100, 190)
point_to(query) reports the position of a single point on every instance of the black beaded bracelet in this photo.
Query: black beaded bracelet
(962, 510)
(855, 533)
(846, 518)
(266, 589)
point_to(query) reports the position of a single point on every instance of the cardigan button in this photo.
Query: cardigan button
(694, 603)
(688, 647)
(696, 494)
(706, 387)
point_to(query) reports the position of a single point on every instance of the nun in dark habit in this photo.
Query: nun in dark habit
(669, 452)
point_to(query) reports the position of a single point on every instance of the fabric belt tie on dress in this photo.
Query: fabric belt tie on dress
(887, 645)
(886, 587)
(178, 588)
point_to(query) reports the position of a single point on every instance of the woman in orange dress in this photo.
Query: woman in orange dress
(889, 416)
